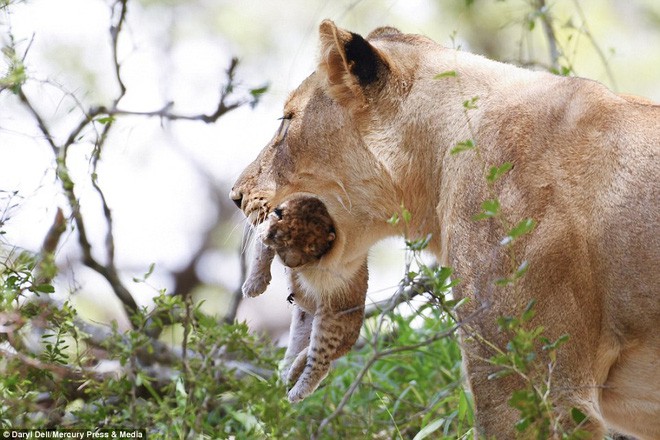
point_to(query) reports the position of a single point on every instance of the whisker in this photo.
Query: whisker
(248, 238)
(238, 223)
(348, 197)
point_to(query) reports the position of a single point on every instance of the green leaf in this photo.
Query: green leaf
(464, 408)
(500, 374)
(16, 75)
(43, 288)
(249, 421)
(394, 220)
(522, 269)
(523, 227)
(489, 209)
(257, 92)
(447, 74)
(420, 244)
(562, 71)
(550, 346)
(471, 104)
(105, 120)
(146, 276)
(429, 429)
(578, 416)
(462, 146)
(507, 322)
(497, 172)
(528, 313)
(406, 215)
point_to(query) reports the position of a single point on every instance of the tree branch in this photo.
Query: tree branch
(165, 112)
(115, 30)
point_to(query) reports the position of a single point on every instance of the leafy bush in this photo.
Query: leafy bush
(220, 380)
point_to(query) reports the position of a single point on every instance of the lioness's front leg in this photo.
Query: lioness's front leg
(336, 324)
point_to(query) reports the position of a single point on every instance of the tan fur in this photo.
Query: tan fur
(585, 167)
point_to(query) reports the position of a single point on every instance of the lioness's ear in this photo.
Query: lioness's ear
(349, 63)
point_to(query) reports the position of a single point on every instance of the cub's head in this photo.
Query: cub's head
(335, 138)
(300, 230)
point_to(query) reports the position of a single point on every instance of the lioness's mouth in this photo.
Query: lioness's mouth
(256, 217)
(256, 211)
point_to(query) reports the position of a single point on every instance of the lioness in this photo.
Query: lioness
(373, 129)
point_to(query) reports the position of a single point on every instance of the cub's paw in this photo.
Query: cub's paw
(259, 275)
(299, 391)
(293, 371)
(305, 375)
(256, 284)
(307, 383)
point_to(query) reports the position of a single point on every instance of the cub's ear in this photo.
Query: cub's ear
(349, 63)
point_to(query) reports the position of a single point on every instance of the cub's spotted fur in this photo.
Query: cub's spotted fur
(300, 231)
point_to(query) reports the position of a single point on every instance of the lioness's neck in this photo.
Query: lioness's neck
(444, 110)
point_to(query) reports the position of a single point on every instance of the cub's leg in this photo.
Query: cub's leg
(333, 335)
(299, 336)
(336, 325)
(259, 275)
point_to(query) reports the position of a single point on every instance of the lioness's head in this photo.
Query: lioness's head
(337, 138)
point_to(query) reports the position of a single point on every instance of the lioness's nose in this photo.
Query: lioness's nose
(236, 197)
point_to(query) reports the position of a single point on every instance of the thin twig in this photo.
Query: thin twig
(115, 30)
(585, 30)
(109, 272)
(89, 124)
(41, 124)
(408, 287)
(377, 355)
(49, 246)
(546, 21)
(107, 213)
(62, 371)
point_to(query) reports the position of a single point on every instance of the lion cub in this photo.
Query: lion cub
(300, 230)
(324, 326)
